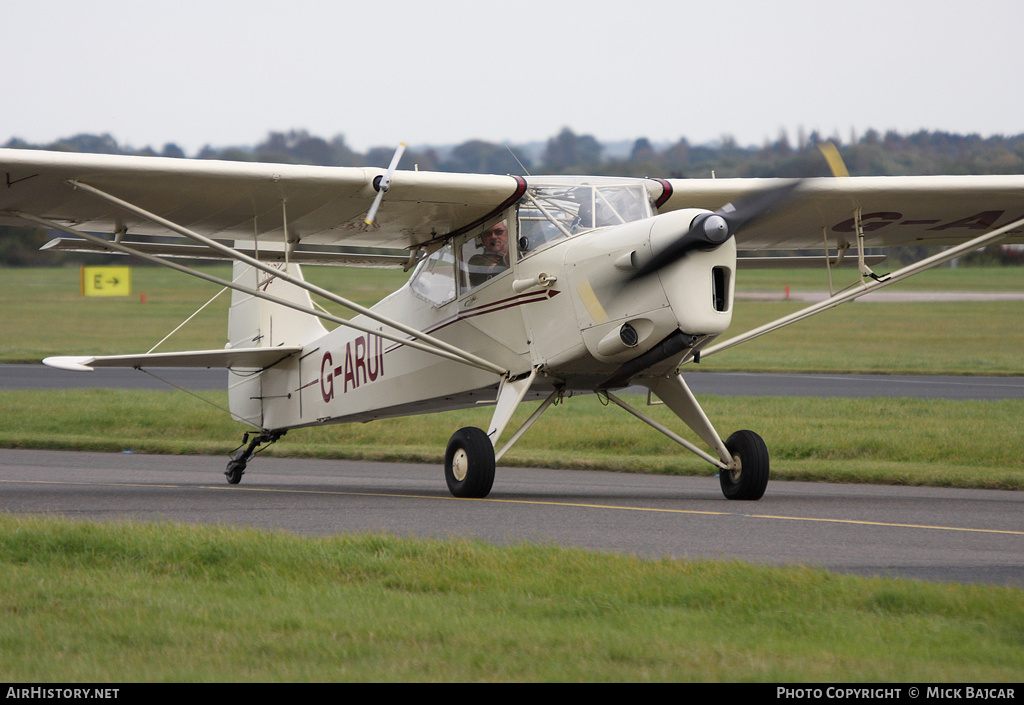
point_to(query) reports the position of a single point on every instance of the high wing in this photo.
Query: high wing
(235, 200)
(894, 210)
(326, 205)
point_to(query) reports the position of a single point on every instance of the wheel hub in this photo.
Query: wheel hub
(460, 464)
(736, 470)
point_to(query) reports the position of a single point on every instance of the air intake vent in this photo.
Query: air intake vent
(720, 288)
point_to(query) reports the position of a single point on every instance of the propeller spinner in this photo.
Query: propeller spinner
(709, 230)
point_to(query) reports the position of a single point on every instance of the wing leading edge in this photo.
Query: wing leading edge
(237, 200)
(894, 210)
(326, 205)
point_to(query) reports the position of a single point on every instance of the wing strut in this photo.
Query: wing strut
(464, 358)
(429, 340)
(686, 407)
(863, 287)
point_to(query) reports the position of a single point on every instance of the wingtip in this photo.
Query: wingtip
(73, 363)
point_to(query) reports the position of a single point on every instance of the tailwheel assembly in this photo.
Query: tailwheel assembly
(240, 457)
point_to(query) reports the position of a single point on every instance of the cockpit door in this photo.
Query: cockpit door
(487, 267)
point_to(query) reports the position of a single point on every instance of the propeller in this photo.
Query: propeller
(834, 159)
(383, 183)
(709, 230)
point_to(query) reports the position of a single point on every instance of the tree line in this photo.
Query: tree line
(870, 154)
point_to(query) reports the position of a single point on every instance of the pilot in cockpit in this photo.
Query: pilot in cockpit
(584, 219)
(494, 258)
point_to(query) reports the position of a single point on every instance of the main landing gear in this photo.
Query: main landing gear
(469, 463)
(742, 460)
(236, 466)
(472, 453)
(748, 476)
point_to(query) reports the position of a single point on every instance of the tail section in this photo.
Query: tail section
(255, 322)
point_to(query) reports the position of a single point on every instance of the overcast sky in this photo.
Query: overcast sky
(226, 72)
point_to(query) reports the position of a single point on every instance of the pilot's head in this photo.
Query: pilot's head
(495, 239)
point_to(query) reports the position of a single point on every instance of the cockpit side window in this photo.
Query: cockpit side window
(484, 255)
(434, 280)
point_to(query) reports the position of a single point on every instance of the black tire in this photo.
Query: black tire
(469, 463)
(234, 472)
(749, 480)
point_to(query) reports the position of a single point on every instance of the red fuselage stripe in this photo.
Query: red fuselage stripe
(493, 307)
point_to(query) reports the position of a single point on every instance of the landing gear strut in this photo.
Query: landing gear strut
(742, 460)
(236, 466)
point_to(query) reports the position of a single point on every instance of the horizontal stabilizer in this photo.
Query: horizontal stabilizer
(239, 357)
(267, 254)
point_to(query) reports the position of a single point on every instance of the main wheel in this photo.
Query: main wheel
(749, 478)
(469, 463)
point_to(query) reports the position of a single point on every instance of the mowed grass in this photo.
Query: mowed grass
(42, 314)
(950, 338)
(98, 603)
(887, 441)
(947, 338)
(978, 279)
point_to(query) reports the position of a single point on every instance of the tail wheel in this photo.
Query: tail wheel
(236, 469)
(469, 463)
(748, 478)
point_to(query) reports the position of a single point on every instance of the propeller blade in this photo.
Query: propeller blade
(834, 159)
(756, 205)
(709, 230)
(383, 183)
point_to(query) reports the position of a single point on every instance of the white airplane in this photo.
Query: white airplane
(524, 288)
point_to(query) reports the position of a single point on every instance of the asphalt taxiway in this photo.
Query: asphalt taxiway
(967, 536)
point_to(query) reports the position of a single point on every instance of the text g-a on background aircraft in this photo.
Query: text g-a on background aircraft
(524, 288)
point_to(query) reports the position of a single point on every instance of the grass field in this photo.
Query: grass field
(954, 338)
(42, 313)
(892, 441)
(103, 603)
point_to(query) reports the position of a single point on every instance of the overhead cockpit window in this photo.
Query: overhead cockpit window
(434, 280)
(550, 212)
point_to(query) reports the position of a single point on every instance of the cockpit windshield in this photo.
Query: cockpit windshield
(558, 208)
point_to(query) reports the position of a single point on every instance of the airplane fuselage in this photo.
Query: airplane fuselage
(564, 307)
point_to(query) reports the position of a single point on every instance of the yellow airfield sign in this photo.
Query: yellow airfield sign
(106, 281)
